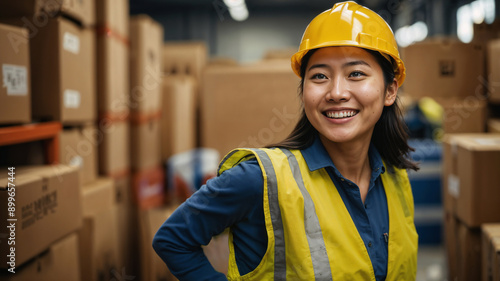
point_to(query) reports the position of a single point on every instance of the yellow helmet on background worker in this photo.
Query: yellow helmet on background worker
(350, 24)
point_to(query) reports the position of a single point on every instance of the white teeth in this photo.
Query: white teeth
(341, 114)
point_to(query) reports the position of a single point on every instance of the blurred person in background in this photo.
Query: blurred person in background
(330, 202)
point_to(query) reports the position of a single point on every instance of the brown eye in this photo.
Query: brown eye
(356, 74)
(318, 76)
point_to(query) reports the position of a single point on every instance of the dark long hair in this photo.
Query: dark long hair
(390, 135)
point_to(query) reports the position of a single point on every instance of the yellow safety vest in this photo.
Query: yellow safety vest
(311, 235)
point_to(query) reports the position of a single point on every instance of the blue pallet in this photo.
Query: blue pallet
(426, 189)
(426, 183)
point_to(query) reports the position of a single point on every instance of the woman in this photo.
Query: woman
(333, 200)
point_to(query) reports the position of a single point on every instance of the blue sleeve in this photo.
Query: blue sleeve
(222, 202)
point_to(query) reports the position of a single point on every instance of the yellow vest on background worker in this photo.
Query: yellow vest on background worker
(311, 235)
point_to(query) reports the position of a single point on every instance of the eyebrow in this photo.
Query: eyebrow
(351, 63)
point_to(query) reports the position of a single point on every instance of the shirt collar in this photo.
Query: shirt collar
(317, 157)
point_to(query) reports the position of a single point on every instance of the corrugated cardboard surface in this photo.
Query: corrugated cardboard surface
(114, 16)
(444, 68)
(82, 11)
(78, 147)
(128, 227)
(471, 177)
(112, 56)
(62, 62)
(469, 252)
(146, 39)
(114, 156)
(490, 232)
(185, 58)
(248, 106)
(112, 74)
(60, 262)
(15, 93)
(145, 149)
(152, 267)
(48, 207)
(178, 122)
(493, 50)
(463, 115)
(98, 236)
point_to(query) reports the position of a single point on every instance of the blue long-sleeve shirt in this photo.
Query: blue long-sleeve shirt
(235, 199)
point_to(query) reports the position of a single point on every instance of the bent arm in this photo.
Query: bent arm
(222, 202)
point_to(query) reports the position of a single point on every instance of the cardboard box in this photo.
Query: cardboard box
(145, 149)
(490, 236)
(468, 252)
(9, 9)
(60, 261)
(152, 266)
(113, 16)
(82, 11)
(185, 58)
(62, 64)
(178, 120)
(47, 207)
(148, 188)
(36, 11)
(146, 39)
(451, 240)
(493, 91)
(114, 155)
(128, 227)
(112, 57)
(463, 250)
(78, 147)
(494, 125)
(15, 93)
(463, 115)
(248, 106)
(444, 68)
(98, 236)
(485, 32)
(471, 177)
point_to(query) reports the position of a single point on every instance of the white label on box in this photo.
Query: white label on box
(71, 99)
(487, 141)
(71, 43)
(15, 79)
(453, 185)
(76, 161)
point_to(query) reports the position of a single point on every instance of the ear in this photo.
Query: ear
(391, 93)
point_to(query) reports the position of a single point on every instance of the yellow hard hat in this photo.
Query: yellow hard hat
(350, 24)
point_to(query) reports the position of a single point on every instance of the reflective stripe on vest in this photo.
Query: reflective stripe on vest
(303, 208)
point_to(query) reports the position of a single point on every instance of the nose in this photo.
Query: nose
(338, 91)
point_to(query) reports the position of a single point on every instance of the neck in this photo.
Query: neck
(351, 159)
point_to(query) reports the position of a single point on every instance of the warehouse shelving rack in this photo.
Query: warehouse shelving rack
(48, 132)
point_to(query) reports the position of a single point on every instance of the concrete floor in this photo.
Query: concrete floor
(431, 263)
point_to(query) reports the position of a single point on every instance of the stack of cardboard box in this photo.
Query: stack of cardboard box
(248, 105)
(454, 74)
(42, 224)
(470, 181)
(113, 105)
(146, 39)
(62, 40)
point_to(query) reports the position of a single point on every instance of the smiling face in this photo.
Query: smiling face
(344, 93)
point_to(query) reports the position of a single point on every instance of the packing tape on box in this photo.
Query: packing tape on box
(108, 32)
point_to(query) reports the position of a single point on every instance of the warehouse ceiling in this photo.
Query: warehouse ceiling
(145, 6)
